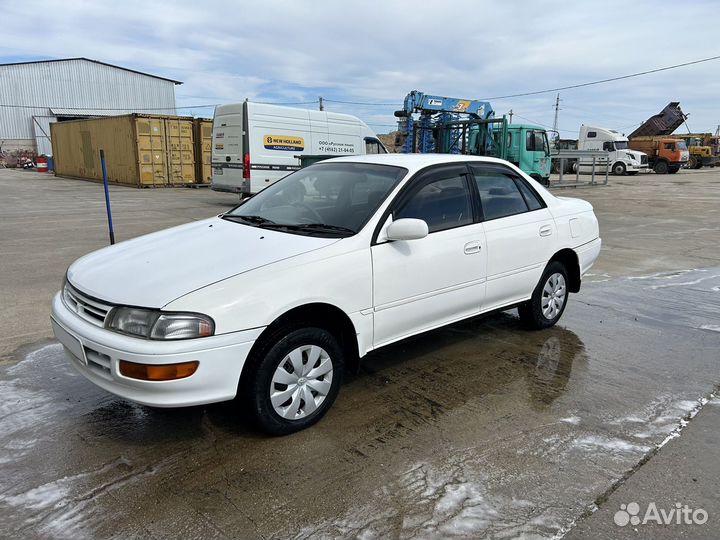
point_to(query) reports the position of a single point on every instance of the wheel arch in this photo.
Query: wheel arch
(570, 261)
(317, 315)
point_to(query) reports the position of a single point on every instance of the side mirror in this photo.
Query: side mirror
(407, 229)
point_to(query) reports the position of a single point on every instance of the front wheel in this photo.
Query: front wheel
(661, 167)
(619, 168)
(296, 381)
(548, 300)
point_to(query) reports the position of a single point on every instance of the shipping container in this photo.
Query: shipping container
(203, 150)
(140, 150)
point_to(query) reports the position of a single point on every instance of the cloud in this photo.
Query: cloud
(282, 50)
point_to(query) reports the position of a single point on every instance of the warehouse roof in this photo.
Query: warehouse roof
(95, 62)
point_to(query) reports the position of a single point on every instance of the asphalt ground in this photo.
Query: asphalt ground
(478, 429)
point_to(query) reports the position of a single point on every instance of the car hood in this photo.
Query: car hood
(153, 270)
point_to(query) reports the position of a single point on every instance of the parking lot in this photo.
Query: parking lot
(480, 428)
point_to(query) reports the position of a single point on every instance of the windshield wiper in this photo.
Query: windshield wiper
(309, 227)
(259, 220)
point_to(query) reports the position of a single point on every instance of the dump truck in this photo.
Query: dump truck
(665, 154)
(700, 146)
(703, 148)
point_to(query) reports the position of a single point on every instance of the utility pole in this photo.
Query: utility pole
(717, 131)
(510, 114)
(555, 122)
(322, 105)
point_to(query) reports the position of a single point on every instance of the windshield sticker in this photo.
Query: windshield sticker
(284, 142)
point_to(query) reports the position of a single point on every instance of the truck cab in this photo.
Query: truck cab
(528, 148)
(621, 159)
(665, 154)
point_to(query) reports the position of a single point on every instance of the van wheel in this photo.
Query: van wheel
(661, 167)
(296, 381)
(548, 300)
(618, 169)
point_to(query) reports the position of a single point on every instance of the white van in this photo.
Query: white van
(256, 144)
(621, 160)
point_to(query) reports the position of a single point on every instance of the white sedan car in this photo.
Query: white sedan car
(270, 301)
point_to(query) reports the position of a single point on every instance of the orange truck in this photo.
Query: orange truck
(665, 154)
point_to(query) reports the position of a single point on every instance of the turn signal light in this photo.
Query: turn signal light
(161, 372)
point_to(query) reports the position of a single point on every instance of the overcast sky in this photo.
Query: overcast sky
(372, 51)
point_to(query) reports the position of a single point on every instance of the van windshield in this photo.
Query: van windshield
(621, 145)
(325, 199)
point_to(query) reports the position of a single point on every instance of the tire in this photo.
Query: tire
(692, 162)
(619, 168)
(272, 377)
(553, 285)
(661, 167)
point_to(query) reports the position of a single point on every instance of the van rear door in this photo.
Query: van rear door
(227, 148)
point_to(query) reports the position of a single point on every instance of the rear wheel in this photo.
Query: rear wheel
(548, 300)
(692, 162)
(619, 168)
(661, 167)
(294, 383)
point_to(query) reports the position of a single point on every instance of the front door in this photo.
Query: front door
(426, 283)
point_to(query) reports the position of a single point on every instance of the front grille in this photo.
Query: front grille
(98, 362)
(643, 160)
(91, 310)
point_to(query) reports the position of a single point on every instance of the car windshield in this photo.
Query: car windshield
(621, 145)
(328, 199)
(681, 145)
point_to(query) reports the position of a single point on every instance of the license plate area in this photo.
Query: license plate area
(70, 342)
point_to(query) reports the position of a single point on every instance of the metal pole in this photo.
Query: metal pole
(320, 101)
(107, 198)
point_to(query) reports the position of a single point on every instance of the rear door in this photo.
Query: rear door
(422, 284)
(519, 230)
(227, 148)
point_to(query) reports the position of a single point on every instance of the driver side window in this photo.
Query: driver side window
(444, 202)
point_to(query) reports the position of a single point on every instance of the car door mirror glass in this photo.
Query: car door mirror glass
(407, 229)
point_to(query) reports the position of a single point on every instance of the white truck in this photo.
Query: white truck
(621, 159)
(256, 144)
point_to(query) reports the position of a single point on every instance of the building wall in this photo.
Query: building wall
(74, 83)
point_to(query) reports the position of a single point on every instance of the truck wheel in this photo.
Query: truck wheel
(619, 169)
(692, 162)
(294, 380)
(661, 167)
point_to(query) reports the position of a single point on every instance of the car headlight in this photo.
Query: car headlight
(632, 158)
(151, 324)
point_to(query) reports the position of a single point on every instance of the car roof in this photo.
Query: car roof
(412, 162)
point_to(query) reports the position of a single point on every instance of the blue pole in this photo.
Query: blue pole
(107, 198)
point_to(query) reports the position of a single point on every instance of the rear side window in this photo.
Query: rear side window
(443, 203)
(500, 196)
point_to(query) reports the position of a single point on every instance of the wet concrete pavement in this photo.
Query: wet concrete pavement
(481, 428)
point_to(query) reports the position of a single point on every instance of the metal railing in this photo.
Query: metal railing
(599, 159)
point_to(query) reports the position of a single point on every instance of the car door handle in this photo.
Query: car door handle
(472, 247)
(546, 230)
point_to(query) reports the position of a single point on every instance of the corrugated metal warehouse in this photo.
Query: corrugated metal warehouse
(35, 94)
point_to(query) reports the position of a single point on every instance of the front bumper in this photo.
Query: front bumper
(96, 352)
